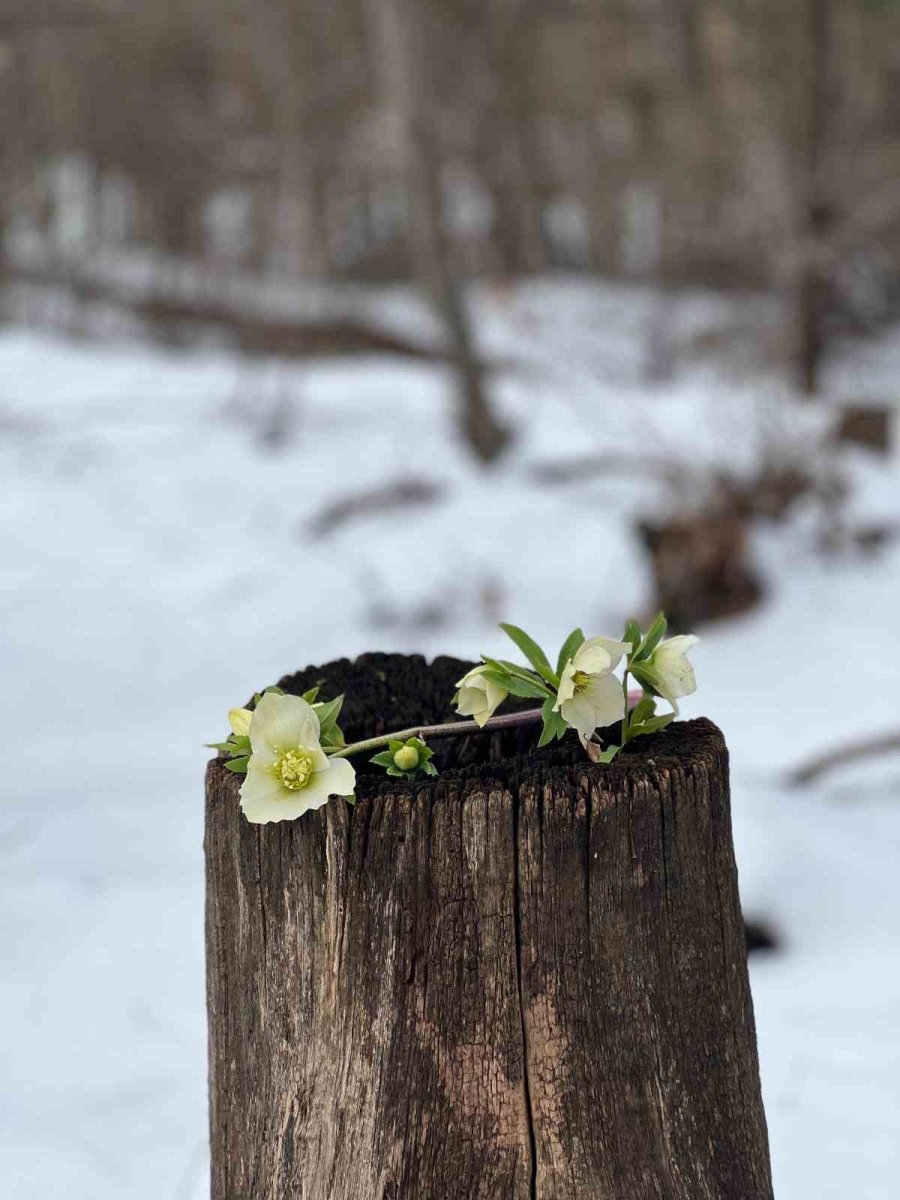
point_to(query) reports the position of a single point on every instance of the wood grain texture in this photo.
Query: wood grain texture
(523, 980)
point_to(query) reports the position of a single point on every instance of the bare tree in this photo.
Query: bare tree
(402, 29)
(817, 213)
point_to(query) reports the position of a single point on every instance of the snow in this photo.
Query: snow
(158, 566)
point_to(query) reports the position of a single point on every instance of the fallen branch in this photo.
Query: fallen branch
(885, 743)
(401, 494)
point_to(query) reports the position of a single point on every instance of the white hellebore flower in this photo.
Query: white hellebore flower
(589, 694)
(289, 773)
(479, 697)
(668, 671)
(239, 719)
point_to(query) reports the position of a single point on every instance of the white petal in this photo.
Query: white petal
(471, 700)
(680, 680)
(579, 714)
(283, 723)
(606, 698)
(320, 760)
(566, 686)
(262, 795)
(678, 645)
(264, 757)
(472, 678)
(592, 658)
(337, 776)
(604, 652)
(495, 696)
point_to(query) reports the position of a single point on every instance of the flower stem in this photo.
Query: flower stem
(532, 716)
(625, 717)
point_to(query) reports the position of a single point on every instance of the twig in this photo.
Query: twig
(867, 748)
(531, 716)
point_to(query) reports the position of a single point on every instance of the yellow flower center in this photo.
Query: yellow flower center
(294, 769)
(581, 679)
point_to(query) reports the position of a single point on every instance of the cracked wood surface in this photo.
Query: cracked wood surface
(523, 980)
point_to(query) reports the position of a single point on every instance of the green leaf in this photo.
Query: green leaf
(656, 724)
(652, 637)
(235, 745)
(523, 683)
(607, 755)
(499, 671)
(384, 759)
(351, 799)
(646, 707)
(570, 646)
(424, 751)
(237, 765)
(273, 690)
(554, 725)
(525, 688)
(511, 668)
(498, 676)
(328, 711)
(653, 725)
(429, 768)
(644, 676)
(532, 652)
(642, 711)
(310, 696)
(633, 635)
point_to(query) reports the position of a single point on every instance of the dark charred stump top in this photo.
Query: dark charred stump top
(525, 979)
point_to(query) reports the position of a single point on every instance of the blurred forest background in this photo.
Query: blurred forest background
(366, 324)
(716, 142)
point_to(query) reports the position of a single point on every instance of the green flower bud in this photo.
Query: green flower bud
(406, 758)
(239, 719)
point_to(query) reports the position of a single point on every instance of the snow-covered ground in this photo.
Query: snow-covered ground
(158, 565)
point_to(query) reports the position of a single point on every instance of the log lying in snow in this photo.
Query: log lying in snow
(884, 743)
(525, 979)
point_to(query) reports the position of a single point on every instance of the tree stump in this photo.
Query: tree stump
(523, 980)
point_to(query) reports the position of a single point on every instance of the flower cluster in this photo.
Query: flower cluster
(582, 692)
(293, 754)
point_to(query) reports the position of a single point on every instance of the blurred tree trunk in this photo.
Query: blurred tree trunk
(508, 163)
(402, 32)
(817, 217)
(648, 111)
(513, 63)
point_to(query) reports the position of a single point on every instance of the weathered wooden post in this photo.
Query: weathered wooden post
(523, 980)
